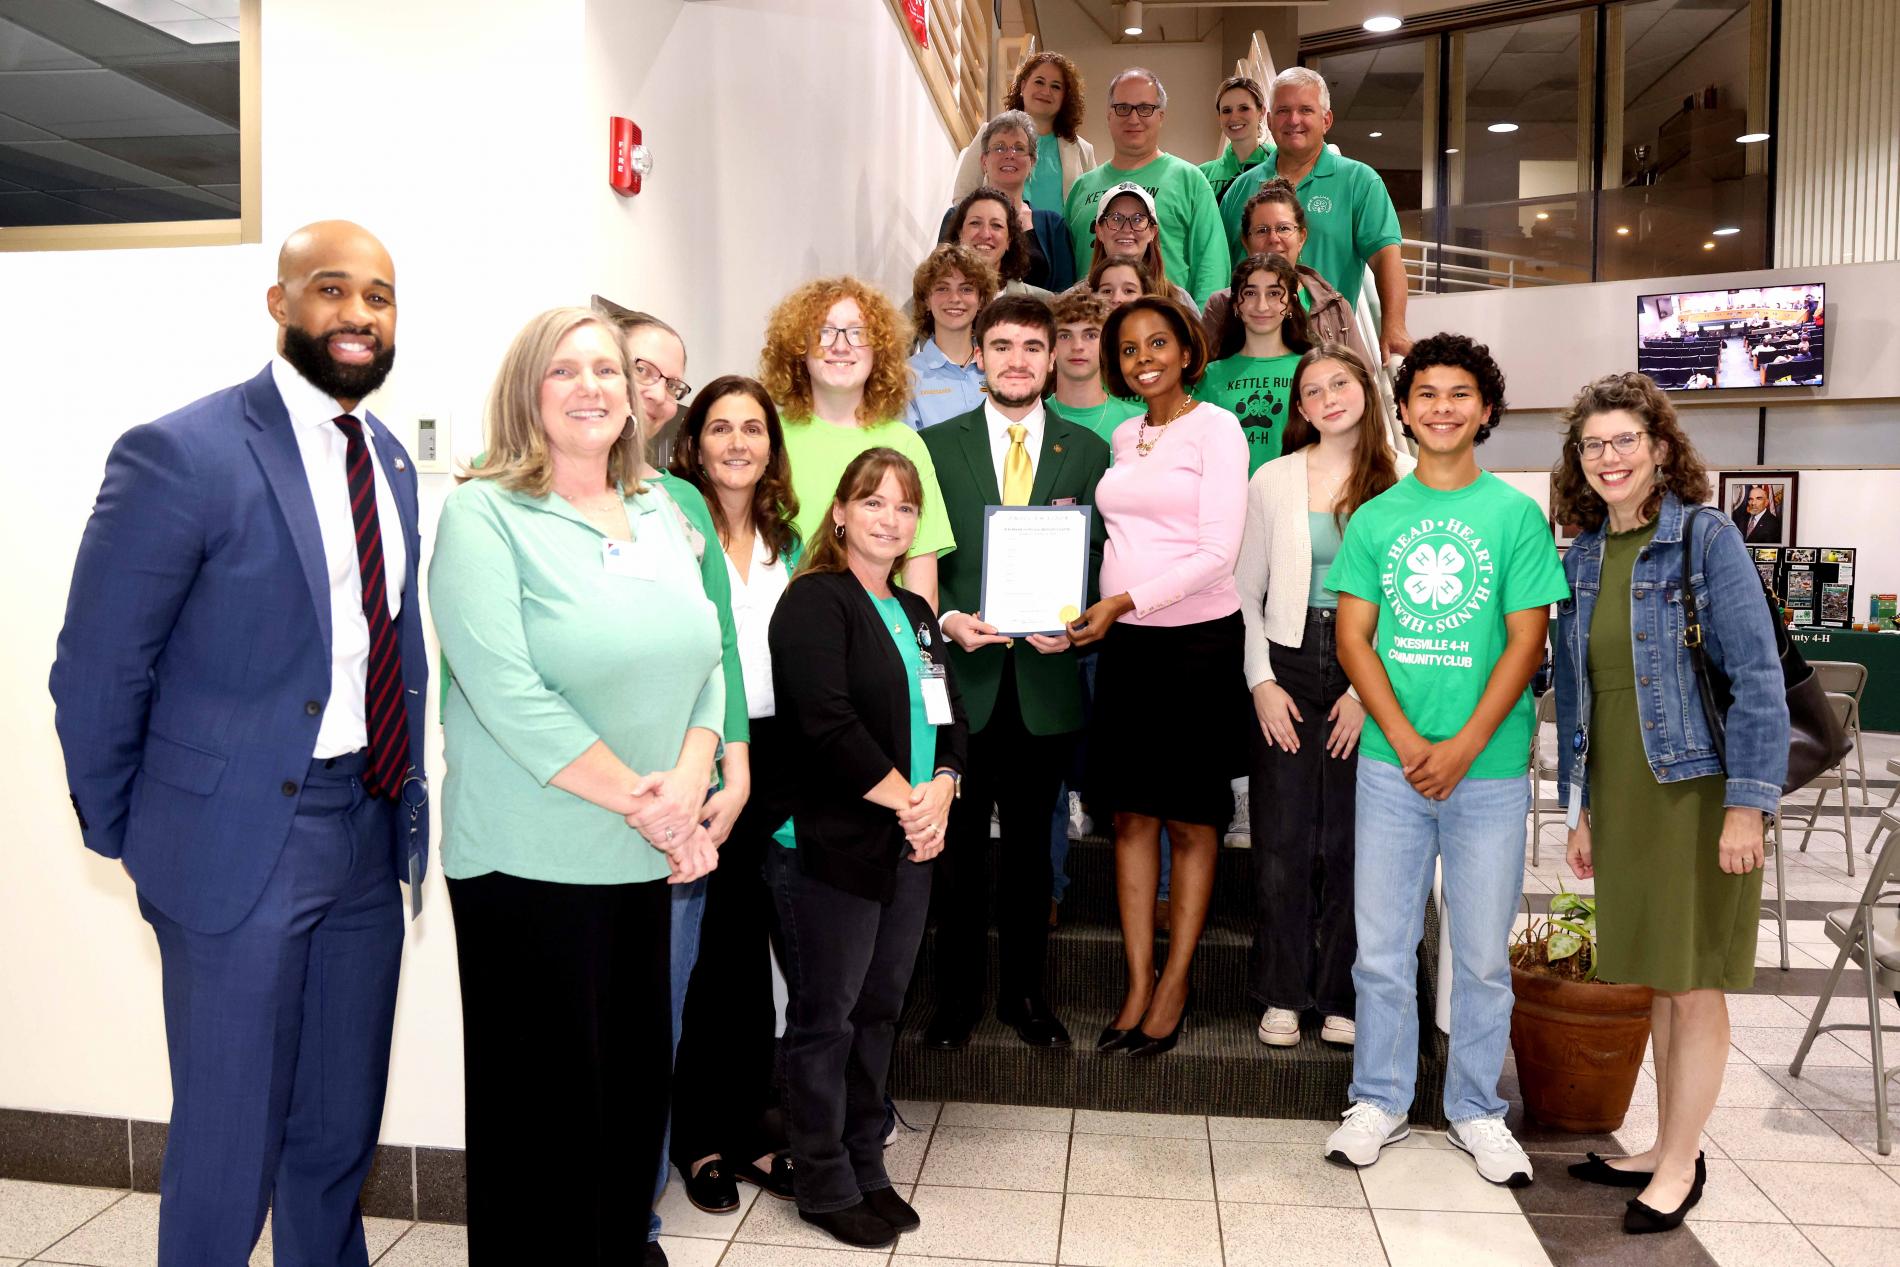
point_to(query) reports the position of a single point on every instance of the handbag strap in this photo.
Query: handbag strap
(1692, 639)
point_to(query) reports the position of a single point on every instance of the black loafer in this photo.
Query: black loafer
(950, 1029)
(778, 1181)
(854, 1225)
(712, 1189)
(893, 1209)
(1034, 1023)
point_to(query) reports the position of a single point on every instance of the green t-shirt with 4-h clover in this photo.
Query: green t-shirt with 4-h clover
(1445, 568)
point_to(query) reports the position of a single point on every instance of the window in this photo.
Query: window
(1383, 105)
(127, 123)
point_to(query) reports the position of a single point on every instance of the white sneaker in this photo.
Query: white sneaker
(1367, 1129)
(1080, 824)
(1338, 1029)
(1240, 830)
(1280, 1027)
(1492, 1146)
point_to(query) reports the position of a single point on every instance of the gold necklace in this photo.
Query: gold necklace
(1143, 445)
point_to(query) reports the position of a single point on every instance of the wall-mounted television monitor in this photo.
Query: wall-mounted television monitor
(1757, 336)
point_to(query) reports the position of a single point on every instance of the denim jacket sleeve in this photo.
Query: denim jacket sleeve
(1740, 635)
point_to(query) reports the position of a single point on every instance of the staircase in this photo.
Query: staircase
(1220, 1067)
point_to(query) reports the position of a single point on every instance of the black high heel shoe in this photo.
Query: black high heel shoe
(1114, 1040)
(1143, 1045)
(1640, 1219)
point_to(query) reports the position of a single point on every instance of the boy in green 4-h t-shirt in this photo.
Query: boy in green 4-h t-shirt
(1444, 584)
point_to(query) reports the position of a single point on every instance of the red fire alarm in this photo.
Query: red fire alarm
(627, 160)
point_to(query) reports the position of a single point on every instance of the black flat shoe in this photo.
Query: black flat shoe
(1640, 1219)
(893, 1209)
(1596, 1170)
(712, 1189)
(1034, 1023)
(950, 1028)
(778, 1182)
(854, 1225)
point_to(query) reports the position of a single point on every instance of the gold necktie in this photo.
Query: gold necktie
(1017, 473)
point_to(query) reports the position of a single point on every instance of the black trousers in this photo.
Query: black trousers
(1301, 804)
(566, 1038)
(1019, 774)
(723, 1072)
(847, 964)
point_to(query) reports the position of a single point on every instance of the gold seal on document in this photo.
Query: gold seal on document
(1069, 614)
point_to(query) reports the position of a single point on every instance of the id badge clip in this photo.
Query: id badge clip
(932, 680)
(1580, 752)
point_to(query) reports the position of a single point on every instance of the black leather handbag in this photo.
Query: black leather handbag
(1816, 741)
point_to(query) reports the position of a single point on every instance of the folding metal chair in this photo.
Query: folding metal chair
(1834, 778)
(1844, 677)
(1868, 934)
(1541, 769)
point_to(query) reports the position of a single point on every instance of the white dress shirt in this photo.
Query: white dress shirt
(754, 599)
(324, 449)
(999, 425)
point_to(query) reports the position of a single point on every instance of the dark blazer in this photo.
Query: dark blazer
(1070, 466)
(844, 699)
(1767, 532)
(1052, 262)
(194, 664)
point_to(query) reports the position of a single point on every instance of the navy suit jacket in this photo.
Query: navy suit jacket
(194, 665)
(1052, 239)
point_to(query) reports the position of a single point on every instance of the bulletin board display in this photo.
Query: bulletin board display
(1815, 583)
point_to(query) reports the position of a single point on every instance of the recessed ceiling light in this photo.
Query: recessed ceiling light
(1381, 24)
(1749, 138)
(1727, 231)
(1543, 215)
(1502, 127)
(1131, 17)
(1375, 135)
(1452, 150)
(1708, 246)
(1622, 230)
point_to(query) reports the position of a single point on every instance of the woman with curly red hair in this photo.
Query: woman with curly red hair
(835, 362)
(1048, 88)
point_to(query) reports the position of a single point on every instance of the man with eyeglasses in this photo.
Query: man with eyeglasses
(1193, 243)
(1350, 218)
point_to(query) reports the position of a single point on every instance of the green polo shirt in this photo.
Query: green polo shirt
(1220, 172)
(1190, 229)
(555, 649)
(1349, 217)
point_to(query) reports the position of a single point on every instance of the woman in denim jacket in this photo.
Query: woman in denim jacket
(1673, 839)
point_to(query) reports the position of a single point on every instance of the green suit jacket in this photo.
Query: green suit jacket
(1070, 465)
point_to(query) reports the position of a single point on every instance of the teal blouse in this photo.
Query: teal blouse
(1324, 530)
(554, 650)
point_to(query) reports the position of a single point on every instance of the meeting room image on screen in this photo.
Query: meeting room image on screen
(1766, 336)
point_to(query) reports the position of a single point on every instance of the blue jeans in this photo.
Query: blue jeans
(689, 910)
(1478, 832)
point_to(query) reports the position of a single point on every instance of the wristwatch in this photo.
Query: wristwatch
(956, 780)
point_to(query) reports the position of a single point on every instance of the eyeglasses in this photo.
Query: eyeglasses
(1121, 109)
(1007, 151)
(646, 373)
(1273, 231)
(856, 336)
(1136, 220)
(1625, 444)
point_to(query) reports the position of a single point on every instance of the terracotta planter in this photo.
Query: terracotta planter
(1579, 1046)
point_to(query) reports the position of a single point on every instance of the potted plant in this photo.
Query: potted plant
(1578, 1041)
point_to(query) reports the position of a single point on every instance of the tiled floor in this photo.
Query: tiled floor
(1794, 1178)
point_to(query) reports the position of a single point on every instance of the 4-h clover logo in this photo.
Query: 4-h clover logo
(1434, 578)
(1320, 204)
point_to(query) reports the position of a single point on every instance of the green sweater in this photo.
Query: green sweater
(1193, 247)
(558, 647)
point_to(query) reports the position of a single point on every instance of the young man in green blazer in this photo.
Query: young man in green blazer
(1023, 695)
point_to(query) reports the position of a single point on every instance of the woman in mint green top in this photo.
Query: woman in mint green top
(580, 735)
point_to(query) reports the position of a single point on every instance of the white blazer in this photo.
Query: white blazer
(1274, 572)
(1078, 156)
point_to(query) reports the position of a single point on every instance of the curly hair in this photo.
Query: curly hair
(774, 505)
(1457, 351)
(944, 259)
(826, 550)
(1679, 466)
(1069, 117)
(1149, 286)
(1373, 468)
(1186, 326)
(1233, 331)
(1015, 261)
(1080, 305)
(791, 334)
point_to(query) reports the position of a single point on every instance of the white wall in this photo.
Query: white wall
(1189, 71)
(474, 145)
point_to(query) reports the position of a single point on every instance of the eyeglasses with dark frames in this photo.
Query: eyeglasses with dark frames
(646, 373)
(1122, 109)
(1136, 220)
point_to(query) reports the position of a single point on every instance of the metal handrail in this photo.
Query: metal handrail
(1429, 270)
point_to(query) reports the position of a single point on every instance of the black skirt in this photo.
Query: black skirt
(1170, 728)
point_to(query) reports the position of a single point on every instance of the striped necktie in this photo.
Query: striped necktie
(384, 709)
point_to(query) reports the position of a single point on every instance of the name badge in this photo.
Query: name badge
(936, 693)
(626, 558)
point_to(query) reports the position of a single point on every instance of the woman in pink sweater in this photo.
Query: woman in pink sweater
(1170, 704)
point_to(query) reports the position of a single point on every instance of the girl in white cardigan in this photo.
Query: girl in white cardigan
(1305, 745)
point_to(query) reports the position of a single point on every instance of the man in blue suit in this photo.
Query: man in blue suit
(239, 687)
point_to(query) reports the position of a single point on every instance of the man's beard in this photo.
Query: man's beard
(1015, 402)
(310, 355)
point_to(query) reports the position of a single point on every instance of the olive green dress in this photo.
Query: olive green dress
(1668, 916)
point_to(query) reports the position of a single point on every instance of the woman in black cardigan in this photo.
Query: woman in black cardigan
(864, 688)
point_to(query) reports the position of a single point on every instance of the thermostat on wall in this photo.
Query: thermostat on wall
(433, 448)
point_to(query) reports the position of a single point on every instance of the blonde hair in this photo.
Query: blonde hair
(792, 332)
(516, 452)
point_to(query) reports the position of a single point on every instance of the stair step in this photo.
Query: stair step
(1087, 970)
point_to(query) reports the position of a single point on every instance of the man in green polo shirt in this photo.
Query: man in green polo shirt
(1192, 245)
(1350, 220)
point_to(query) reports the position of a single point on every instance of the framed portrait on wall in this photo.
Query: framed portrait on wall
(1762, 504)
